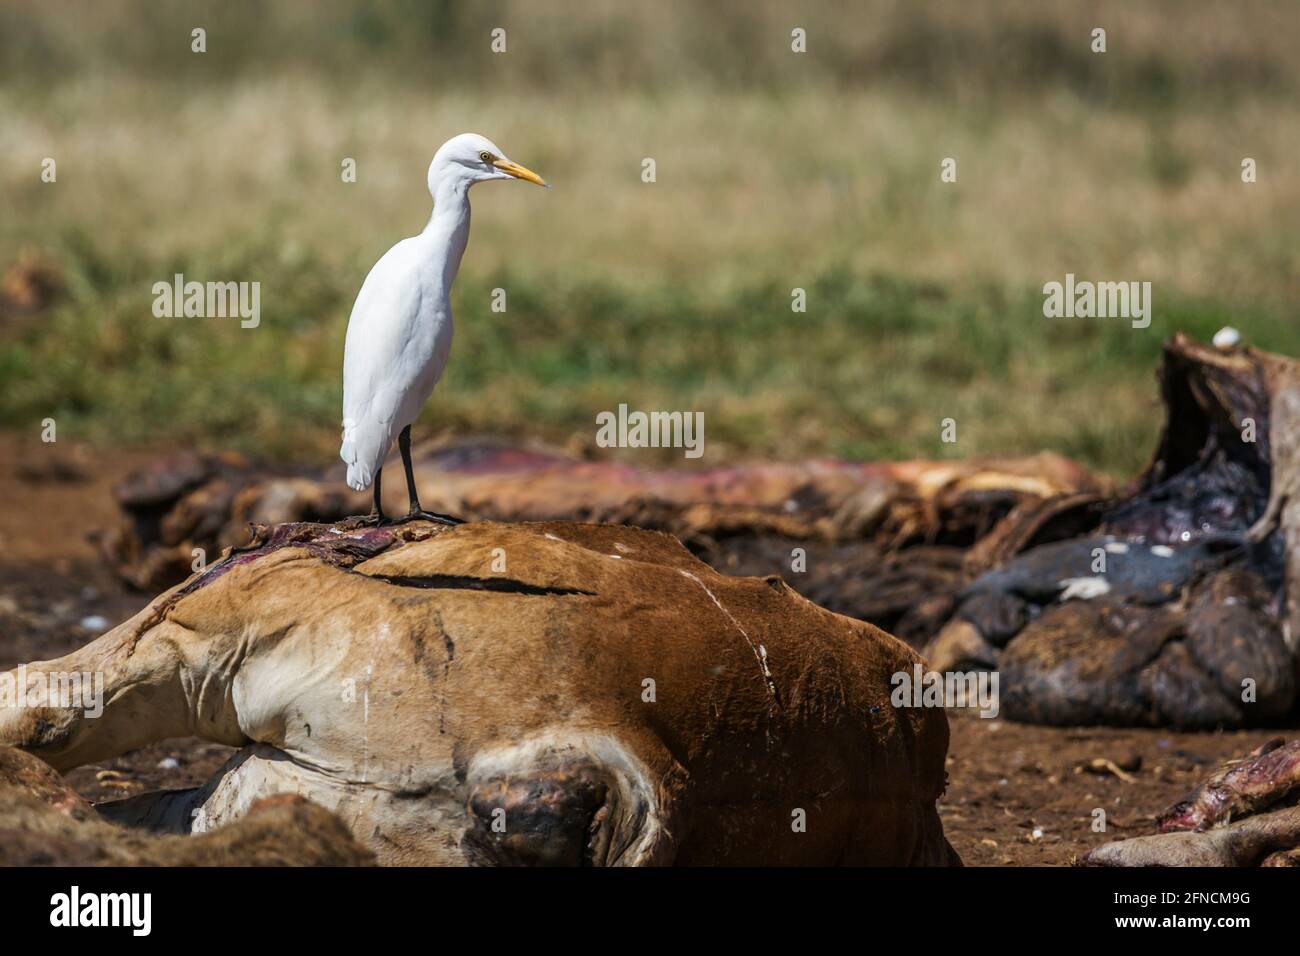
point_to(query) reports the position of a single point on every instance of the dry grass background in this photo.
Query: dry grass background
(775, 170)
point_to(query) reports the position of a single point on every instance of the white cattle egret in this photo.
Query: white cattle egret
(399, 335)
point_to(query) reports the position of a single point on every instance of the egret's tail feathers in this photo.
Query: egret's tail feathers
(360, 474)
(359, 478)
(363, 458)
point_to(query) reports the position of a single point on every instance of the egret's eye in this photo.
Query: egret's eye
(486, 157)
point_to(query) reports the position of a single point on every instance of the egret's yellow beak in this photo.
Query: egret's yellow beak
(519, 172)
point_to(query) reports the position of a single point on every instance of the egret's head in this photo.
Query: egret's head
(470, 158)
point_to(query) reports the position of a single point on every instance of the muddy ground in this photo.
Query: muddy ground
(1017, 794)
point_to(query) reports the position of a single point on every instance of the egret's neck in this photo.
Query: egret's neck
(448, 230)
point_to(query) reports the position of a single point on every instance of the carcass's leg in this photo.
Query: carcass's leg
(1250, 841)
(565, 801)
(144, 681)
(416, 512)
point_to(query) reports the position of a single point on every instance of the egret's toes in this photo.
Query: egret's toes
(420, 515)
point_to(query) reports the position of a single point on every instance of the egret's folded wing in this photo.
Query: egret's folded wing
(376, 363)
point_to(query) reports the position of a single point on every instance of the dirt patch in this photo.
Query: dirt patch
(1025, 795)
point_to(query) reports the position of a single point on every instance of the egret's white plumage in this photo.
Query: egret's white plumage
(399, 335)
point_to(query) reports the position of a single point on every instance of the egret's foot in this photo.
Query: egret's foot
(418, 514)
(373, 520)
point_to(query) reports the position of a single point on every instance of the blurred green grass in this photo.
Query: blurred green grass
(776, 171)
(870, 371)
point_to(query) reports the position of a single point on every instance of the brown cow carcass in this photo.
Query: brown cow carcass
(550, 693)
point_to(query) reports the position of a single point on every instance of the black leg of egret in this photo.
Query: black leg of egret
(404, 443)
(376, 516)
